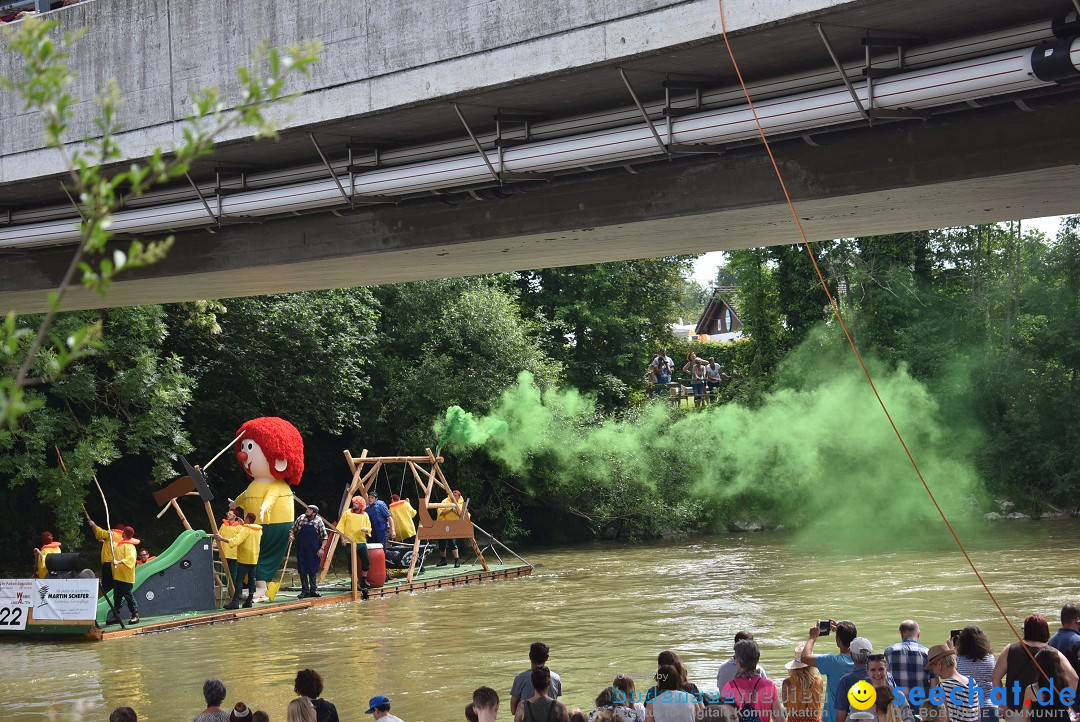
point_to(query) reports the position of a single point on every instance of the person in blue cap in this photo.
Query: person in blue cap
(379, 708)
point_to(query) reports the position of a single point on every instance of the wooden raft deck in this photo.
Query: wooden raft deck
(433, 578)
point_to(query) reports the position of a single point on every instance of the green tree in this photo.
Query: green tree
(758, 301)
(303, 356)
(32, 356)
(126, 404)
(603, 321)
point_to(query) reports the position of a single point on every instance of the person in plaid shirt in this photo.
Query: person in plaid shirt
(907, 659)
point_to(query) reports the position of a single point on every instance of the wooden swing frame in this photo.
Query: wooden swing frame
(428, 476)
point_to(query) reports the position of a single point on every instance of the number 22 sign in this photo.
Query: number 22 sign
(13, 616)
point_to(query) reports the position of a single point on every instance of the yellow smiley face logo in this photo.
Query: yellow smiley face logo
(862, 695)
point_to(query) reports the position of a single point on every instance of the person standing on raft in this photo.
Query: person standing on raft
(101, 535)
(247, 540)
(123, 574)
(402, 512)
(382, 523)
(308, 533)
(48, 546)
(450, 513)
(270, 450)
(355, 526)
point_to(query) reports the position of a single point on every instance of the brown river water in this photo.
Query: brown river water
(603, 609)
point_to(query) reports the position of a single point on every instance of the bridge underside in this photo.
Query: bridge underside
(1003, 162)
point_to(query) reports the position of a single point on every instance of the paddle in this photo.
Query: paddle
(273, 587)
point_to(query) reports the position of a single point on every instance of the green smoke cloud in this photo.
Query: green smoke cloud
(818, 453)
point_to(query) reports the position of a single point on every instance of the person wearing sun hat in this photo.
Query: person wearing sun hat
(379, 708)
(801, 692)
(941, 660)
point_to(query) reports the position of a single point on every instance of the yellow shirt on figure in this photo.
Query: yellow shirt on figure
(127, 556)
(403, 514)
(246, 540)
(276, 495)
(355, 527)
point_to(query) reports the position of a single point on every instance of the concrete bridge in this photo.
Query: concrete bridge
(456, 137)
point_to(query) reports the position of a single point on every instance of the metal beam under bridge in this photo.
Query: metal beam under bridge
(1004, 162)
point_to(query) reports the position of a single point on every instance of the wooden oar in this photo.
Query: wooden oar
(272, 588)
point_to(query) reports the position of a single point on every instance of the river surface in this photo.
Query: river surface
(603, 609)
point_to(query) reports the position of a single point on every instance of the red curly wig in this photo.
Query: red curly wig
(278, 440)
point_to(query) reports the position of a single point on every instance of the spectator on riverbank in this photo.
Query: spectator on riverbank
(696, 368)
(379, 708)
(123, 714)
(213, 691)
(751, 689)
(1038, 707)
(259, 716)
(802, 691)
(877, 673)
(941, 660)
(670, 702)
(621, 700)
(624, 688)
(309, 683)
(975, 658)
(714, 379)
(831, 666)
(240, 713)
(484, 707)
(729, 668)
(522, 688)
(668, 658)
(300, 710)
(1067, 639)
(1015, 661)
(662, 367)
(907, 659)
(859, 651)
(541, 707)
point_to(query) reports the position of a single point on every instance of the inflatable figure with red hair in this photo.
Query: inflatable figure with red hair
(271, 453)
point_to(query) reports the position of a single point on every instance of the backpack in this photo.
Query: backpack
(746, 711)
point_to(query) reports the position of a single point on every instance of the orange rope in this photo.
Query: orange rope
(850, 340)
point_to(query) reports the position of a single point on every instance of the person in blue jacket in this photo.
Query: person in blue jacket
(382, 523)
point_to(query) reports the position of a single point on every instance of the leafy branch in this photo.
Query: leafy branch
(98, 193)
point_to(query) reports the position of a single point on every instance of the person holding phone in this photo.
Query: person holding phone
(831, 666)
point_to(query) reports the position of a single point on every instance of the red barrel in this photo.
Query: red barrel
(376, 575)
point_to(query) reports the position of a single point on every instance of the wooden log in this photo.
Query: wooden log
(220, 547)
(180, 513)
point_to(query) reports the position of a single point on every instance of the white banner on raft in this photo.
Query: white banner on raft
(53, 600)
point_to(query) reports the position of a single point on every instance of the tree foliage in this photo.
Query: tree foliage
(600, 321)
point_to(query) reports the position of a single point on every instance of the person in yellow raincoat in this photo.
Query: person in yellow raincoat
(247, 539)
(48, 546)
(448, 514)
(102, 536)
(403, 513)
(355, 526)
(124, 573)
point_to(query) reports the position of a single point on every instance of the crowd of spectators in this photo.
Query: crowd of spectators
(948, 682)
(11, 11)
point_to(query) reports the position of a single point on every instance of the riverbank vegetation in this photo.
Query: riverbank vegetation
(975, 333)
